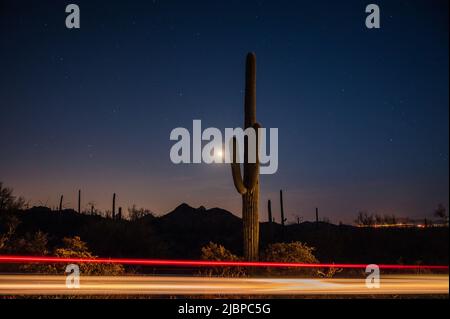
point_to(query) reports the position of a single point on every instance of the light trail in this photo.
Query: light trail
(203, 263)
(11, 285)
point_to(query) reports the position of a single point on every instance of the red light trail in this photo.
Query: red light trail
(202, 263)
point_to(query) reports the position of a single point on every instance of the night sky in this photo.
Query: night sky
(363, 115)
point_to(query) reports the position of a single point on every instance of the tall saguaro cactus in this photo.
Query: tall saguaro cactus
(248, 185)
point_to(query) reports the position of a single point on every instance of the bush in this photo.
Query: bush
(214, 252)
(31, 245)
(8, 226)
(295, 252)
(36, 245)
(76, 248)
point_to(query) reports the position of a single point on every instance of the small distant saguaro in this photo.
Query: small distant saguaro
(114, 206)
(61, 203)
(79, 201)
(269, 210)
(283, 220)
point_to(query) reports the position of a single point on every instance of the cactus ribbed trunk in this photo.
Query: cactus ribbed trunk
(248, 185)
(250, 219)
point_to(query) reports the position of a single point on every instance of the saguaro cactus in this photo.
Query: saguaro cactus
(283, 220)
(61, 203)
(269, 210)
(79, 201)
(248, 185)
(114, 206)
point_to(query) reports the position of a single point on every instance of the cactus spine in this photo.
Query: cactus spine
(248, 185)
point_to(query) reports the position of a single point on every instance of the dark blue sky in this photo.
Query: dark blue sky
(363, 115)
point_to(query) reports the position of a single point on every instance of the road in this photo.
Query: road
(152, 285)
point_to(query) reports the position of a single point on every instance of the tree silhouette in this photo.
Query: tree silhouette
(364, 219)
(9, 202)
(136, 213)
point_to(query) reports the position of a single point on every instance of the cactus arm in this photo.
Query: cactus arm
(236, 171)
(237, 178)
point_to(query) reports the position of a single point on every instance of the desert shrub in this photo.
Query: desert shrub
(215, 252)
(74, 247)
(37, 245)
(8, 226)
(295, 252)
(32, 245)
